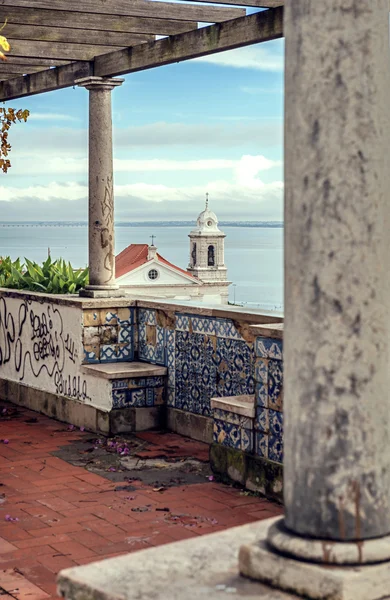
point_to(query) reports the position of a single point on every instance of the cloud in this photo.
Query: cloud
(261, 58)
(246, 197)
(34, 116)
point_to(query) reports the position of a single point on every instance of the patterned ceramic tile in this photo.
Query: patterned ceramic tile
(119, 398)
(149, 397)
(137, 398)
(170, 339)
(261, 444)
(154, 381)
(276, 423)
(141, 333)
(91, 318)
(108, 353)
(225, 328)
(182, 323)
(125, 334)
(147, 316)
(171, 377)
(262, 395)
(227, 434)
(262, 419)
(275, 384)
(269, 348)
(109, 318)
(171, 397)
(125, 352)
(224, 415)
(91, 354)
(261, 370)
(246, 440)
(275, 448)
(203, 325)
(120, 384)
(160, 335)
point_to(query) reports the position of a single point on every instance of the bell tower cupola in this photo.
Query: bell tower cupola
(207, 259)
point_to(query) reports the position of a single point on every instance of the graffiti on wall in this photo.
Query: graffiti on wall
(33, 340)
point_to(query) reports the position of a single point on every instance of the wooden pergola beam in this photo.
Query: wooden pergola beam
(133, 8)
(85, 21)
(56, 50)
(9, 68)
(75, 36)
(252, 3)
(259, 27)
(37, 62)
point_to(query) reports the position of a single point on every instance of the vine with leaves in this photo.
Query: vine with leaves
(8, 116)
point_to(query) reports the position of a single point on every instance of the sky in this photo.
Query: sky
(213, 124)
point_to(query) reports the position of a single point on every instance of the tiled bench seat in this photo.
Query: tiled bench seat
(233, 421)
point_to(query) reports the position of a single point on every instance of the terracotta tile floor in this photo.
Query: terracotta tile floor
(55, 515)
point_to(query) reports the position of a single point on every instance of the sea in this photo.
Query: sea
(253, 253)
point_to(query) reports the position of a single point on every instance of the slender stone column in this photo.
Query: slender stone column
(101, 188)
(337, 293)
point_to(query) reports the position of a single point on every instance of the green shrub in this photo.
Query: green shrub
(53, 277)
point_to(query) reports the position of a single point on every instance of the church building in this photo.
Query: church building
(142, 271)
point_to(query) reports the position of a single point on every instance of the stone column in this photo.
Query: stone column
(337, 300)
(101, 188)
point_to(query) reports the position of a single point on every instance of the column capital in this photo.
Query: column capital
(95, 83)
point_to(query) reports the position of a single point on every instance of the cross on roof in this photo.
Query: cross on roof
(207, 200)
(152, 236)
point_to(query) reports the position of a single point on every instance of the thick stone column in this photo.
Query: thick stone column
(101, 187)
(337, 293)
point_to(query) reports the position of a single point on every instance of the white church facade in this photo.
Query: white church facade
(142, 271)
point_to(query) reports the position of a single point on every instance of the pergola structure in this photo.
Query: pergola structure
(337, 218)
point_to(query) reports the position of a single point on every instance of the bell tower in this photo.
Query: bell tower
(207, 241)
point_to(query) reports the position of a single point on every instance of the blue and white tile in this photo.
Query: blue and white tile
(108, 353)
(137, 398)
(276, 422)
(159, 357)
(171, 396)
(120, 384)
(125, 353)
(119, 398)
(171, 377)
(170, 339)
(262, 394)
(141, 333)
(261, 370)
(275, 384)
(275, 448)
(157, 381)
(110, 318)
(269, 348)
(261, 444)
(125, 334)
(147, 316)
(225, 328)
(160, 335)
(246, 440)
(182, 322)
(149, 397)
(91, 354)
(262, 419)
(203, 325)
(137, 382)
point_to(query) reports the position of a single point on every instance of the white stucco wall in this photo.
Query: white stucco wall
(41, 346)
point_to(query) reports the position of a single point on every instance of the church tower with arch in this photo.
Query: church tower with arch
(207, 246)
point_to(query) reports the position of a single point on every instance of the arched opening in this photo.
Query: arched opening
(193, 254)
(211, 256)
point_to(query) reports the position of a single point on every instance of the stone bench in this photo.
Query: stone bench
(233, 421)
(138, 394)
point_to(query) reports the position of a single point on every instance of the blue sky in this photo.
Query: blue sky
(212, 124)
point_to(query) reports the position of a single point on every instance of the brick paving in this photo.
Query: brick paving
(54, 515)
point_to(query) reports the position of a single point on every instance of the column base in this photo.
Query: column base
(96, 291)
(320, 582)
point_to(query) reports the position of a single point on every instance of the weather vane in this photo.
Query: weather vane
(152, 236)
(207, 200)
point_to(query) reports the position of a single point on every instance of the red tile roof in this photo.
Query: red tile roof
(136, 255)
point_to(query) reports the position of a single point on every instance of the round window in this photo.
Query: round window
(153, 274)
(209, 223)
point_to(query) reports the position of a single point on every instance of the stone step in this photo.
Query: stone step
(240, 405)
(124, 370)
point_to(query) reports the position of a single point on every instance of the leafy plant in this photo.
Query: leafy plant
(53, 277)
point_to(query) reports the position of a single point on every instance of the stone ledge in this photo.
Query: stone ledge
(240, 405)
(196, 427)
(204, 568)
(274, 330)
(124, 370)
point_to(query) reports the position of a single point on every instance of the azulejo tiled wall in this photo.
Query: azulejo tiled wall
(233, 430)
(108, 335)
(269, 399)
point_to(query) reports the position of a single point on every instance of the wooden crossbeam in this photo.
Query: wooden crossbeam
(253, 3)
(259, 27)
(133, 8)
(43, 62)
(75, 36)
(86, 21)
(55, 50)
(9, 68)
